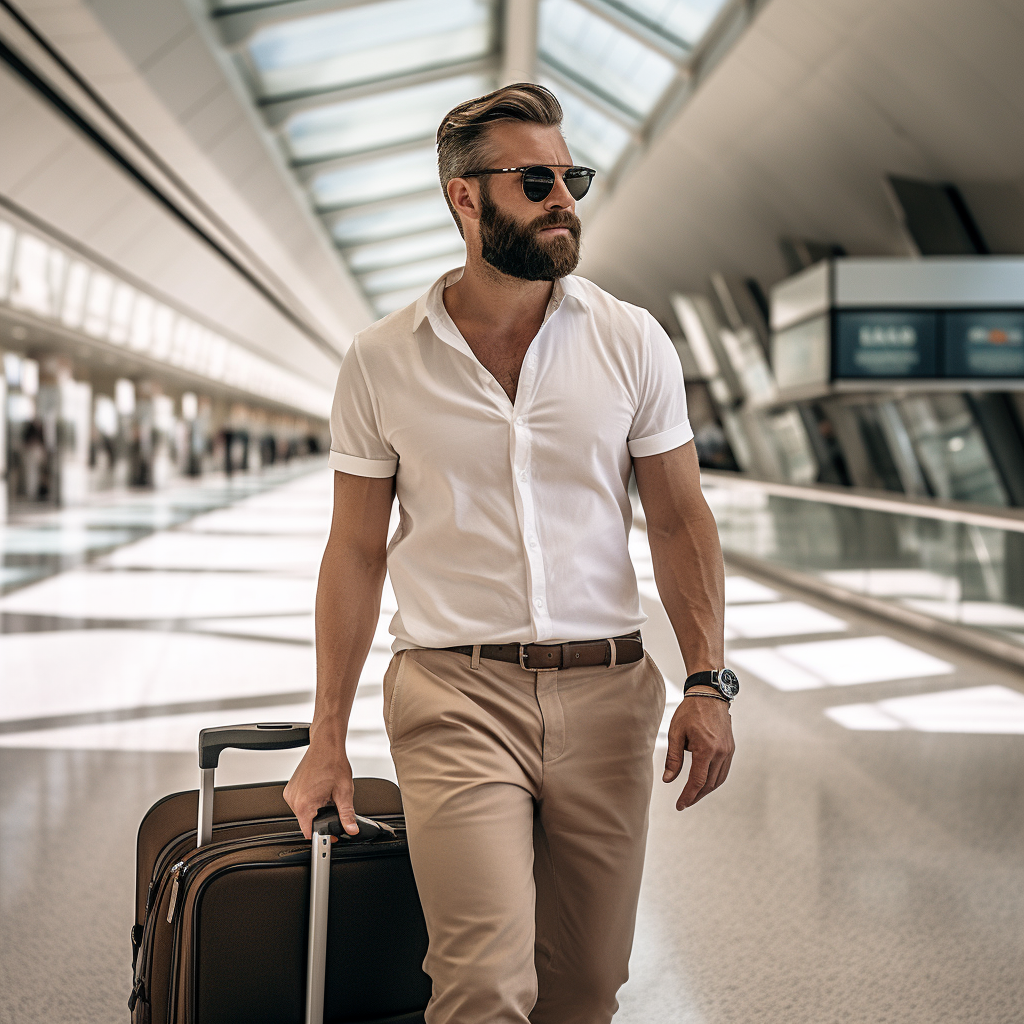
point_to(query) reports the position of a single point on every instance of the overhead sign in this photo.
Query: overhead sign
(886, 344)
(984, 344)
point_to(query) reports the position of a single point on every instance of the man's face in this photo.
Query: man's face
(531, 241)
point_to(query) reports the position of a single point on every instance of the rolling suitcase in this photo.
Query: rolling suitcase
(238, 919)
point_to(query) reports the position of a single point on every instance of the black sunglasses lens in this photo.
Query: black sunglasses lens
(577, 181)
(538, 183)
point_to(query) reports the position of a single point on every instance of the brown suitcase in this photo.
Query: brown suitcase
(223, 925)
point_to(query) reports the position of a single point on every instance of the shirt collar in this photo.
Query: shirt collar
(430, 305)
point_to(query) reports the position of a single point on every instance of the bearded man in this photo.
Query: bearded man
(506, 408)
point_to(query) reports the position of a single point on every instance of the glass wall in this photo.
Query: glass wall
(954, 572)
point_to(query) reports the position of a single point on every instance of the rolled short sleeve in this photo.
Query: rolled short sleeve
(661, 422)
(357, 443)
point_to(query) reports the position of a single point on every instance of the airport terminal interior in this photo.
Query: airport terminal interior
(202, 202)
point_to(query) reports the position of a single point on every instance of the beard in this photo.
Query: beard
(514, 248)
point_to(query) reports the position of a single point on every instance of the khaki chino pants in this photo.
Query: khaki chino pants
(526, 801)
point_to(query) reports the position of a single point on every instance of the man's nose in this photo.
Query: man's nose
(559, 198)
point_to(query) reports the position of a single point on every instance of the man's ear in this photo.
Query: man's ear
(465, 197)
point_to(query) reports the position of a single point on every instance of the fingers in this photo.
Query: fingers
(342, 797)
(673, 759)
(696, 782)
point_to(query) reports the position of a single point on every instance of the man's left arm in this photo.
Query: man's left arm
(690, 575)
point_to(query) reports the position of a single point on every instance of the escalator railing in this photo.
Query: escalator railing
(955, 570)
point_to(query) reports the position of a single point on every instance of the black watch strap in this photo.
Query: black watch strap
(710, 677)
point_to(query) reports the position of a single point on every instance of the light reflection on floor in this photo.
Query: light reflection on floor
(976, 709)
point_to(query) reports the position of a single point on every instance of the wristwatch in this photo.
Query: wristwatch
(724, 680)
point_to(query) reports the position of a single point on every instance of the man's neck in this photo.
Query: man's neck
(495, 302)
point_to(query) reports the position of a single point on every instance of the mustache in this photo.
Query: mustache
(558, 219)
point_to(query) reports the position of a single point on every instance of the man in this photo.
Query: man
(507, 407)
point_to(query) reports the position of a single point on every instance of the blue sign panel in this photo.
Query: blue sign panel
(890, 344)
(984, 344)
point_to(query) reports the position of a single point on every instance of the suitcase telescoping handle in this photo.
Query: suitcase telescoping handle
(327, 823)
(258, 736)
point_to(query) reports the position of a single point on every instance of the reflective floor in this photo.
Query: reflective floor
(863, 863)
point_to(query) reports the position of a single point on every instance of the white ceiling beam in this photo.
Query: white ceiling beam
(519, 41)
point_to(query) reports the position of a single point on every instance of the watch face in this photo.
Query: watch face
(729, 683)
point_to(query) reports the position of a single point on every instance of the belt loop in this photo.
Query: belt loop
(611, 644)
(474, 661)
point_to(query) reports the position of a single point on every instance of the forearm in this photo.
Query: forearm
(690, 575)
(347, 609)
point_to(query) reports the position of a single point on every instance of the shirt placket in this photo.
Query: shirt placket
(522, 474)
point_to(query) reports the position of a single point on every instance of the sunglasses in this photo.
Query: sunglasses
(539, 181)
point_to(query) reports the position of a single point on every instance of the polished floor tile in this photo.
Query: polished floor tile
(861, 865)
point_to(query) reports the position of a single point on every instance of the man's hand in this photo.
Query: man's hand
(701, 725)
(323, 777)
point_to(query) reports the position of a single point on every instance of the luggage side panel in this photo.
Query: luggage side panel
(251, 928)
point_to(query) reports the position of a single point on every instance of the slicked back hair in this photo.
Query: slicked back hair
(462, 136)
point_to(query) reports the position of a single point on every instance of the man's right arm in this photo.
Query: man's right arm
(347, 609)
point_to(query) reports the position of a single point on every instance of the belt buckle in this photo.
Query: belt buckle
(526, 668)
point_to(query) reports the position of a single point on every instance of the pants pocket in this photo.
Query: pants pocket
(392, 686)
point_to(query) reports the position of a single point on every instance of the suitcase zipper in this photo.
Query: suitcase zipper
(176, 873)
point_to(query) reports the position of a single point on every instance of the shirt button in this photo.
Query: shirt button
(539, 603)
(519, 421)
(522, 476)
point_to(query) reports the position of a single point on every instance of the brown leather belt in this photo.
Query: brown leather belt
(619, 650)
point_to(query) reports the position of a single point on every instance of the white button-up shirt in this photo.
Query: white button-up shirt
(514, 518)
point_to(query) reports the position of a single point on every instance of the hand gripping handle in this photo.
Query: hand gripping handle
(256, 736)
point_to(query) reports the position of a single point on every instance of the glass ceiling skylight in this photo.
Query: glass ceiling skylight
(399, 115)
(685, 21)
(369, 42)
(398, 218)
(419, 274)
(593, 137)
(355, 93)
(377, 178)
(444, 241)
(599, 54)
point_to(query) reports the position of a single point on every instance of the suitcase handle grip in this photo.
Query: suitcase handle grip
(328, 821)
(257, 736)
